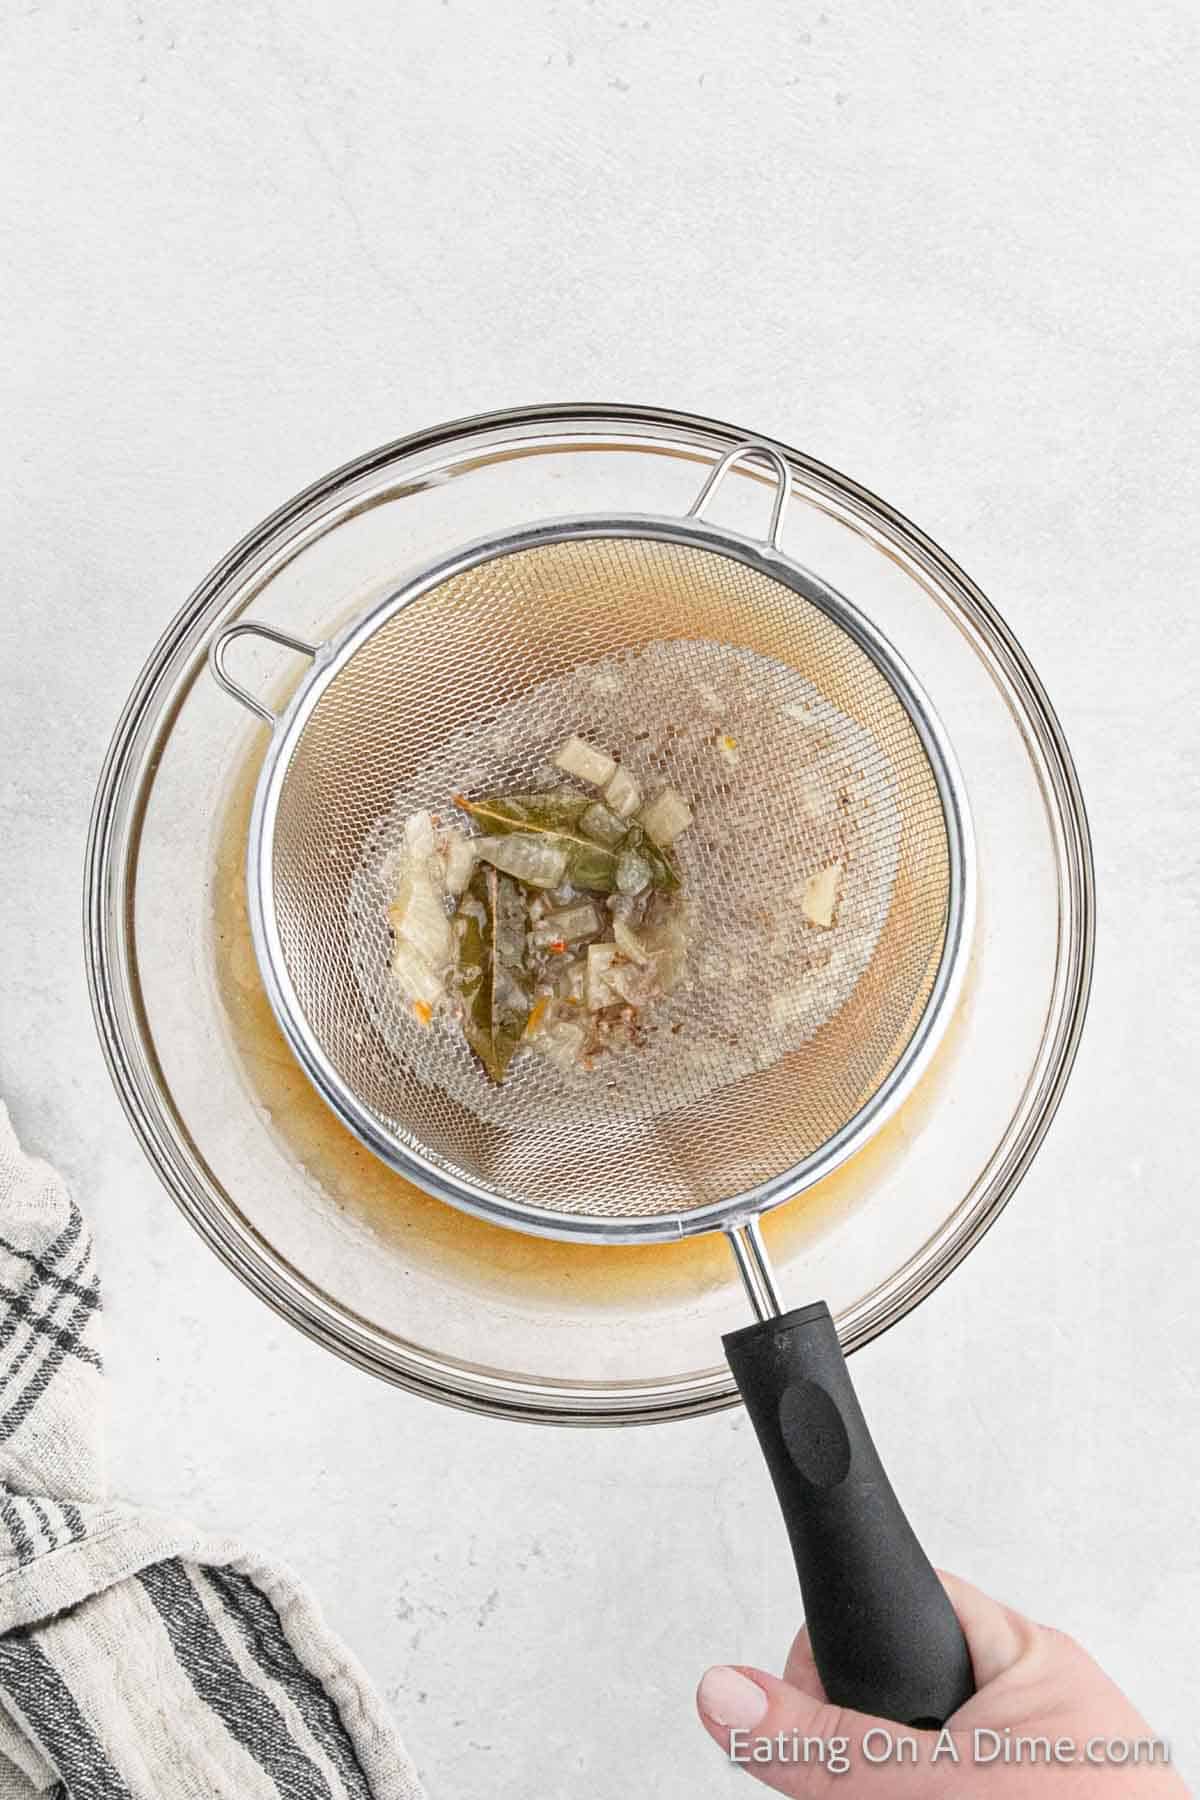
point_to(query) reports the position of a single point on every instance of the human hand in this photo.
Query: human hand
(1035, 1687)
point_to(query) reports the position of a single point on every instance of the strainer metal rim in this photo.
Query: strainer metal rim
(460, 1190)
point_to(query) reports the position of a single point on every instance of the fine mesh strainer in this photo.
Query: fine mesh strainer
(469, 675)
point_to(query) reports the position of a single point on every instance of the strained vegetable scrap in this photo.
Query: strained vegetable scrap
(758, 971)
(421, 953)
(622, 792)
(583, 760)
(820, 898)
(557, 924)
(665, 816)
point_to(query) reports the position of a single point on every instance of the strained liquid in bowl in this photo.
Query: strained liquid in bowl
(409, 1226)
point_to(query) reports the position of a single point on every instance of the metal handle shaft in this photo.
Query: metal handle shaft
(754, 1267)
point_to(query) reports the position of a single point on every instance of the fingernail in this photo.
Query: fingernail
(731, 1699)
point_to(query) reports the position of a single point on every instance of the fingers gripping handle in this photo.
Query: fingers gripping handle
(884, 1635)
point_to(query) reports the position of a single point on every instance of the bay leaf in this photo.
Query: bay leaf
(498, 813)
(495, 986)
(589, 864)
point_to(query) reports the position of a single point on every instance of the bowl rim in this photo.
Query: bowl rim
(114, 835)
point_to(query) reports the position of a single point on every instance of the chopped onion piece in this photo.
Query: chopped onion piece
(419, 840)
(633, 872)
(631, 945)
(821, 895)
(635, 986)
(417, 980)
(602, 826)
(584, 761)
(668, 944)
(573, 922)
(417, 918)
(562, 1043)
(525, 856)
(600, 960)
(622, 792)
(666, 816)
(458, 860)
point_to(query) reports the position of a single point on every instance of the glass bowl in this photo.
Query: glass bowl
(451, 1306)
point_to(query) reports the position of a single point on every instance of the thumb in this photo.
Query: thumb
(794, 1742)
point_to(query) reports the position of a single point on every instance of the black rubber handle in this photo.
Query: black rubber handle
(885, 1637)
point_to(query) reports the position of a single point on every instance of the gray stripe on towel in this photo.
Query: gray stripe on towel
(40, 1511)
(61, 1342)
(245, 1711)
(66, 1284)
(18, 1531)
(17, 1409)
(42, 1697)
(65, 1336)
(261, 1630)
(74, 1518)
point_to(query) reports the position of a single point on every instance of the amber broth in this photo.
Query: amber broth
(471, 1252)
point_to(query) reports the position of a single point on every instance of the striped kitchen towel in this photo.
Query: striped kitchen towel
(139, 1658)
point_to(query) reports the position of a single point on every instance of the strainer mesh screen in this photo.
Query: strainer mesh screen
(734, 1099)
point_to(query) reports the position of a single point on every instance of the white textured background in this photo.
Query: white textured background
(950, 247)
